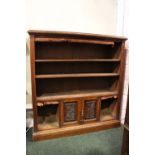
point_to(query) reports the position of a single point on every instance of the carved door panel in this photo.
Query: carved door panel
(70, 110)
(91, 109)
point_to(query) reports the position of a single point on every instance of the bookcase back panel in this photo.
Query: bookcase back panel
(47, 86)
(76, 67)
(62, 50)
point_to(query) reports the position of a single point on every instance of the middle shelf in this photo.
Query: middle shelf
(79, 69)
(77, 85)
(76, 94)
(77, 60)
(76, 75)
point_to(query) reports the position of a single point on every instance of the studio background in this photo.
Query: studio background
(108, 17)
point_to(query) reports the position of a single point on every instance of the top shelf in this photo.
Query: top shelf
(77, 60)
(77, 75)
(74, 34)
(101, 42)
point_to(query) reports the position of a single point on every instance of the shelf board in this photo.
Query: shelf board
(48, 125)
(77, 60)
(100, 42)
(76, 129)
(77, 75)
(75, 94)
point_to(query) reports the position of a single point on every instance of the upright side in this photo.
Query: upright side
(122, 77)
(33, 82)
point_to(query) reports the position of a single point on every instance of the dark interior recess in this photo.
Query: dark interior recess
(108, 109)
(48, 117)
(60, 85)
(76, 67)
(62, 50)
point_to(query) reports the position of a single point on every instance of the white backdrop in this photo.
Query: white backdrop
(94, 16)
(91, 16)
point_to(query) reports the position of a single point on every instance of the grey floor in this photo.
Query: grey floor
(107, 142)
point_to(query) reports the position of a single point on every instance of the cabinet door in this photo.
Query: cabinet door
(70, 110)
(91, 109)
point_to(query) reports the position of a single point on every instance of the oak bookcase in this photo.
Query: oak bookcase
(77, 82)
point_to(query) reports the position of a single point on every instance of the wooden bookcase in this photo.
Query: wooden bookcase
(77, 82)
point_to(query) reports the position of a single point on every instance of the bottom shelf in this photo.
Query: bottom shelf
(48, 124)
(48, 117)
(75, 130)
(106, 115)
(108, 109)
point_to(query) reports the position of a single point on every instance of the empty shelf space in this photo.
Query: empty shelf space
(108, 109)
(48, 125)
(106, 115)
(54, 68)
(77, 75)
(77, 60)
(75, 94)
(48, 117)
(70, 87)
(68, 51)
(101, 42)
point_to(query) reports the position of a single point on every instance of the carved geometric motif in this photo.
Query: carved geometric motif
(70, 111)
(90, 109)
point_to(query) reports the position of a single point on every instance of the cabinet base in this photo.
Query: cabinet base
(75, 130)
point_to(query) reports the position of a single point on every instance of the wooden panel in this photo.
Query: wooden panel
(66, 34)
(120, 86)
(76, 94)
(70, 112)
(90, 109)
(76, 75)
(33, 82)
(77, 60)
(75, 130)
(74, 41)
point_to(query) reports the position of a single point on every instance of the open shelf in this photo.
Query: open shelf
(48, 117)
(58, 86)
(108, 109)
(77, 75)
(77, 60)
(76, 68)
(70, 50)
(75, 94)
